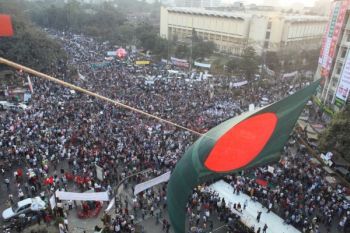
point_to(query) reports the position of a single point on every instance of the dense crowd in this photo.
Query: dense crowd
(64, 134)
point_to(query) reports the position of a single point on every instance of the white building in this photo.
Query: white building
(334, 62)
(233, 31)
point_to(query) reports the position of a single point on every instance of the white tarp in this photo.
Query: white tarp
(150, 183)
(95, 196)
(203, 65)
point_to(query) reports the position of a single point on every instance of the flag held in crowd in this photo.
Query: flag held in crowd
(253, 139)
(6, 29)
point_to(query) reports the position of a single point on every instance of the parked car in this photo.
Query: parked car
(7, 105)
(24, 206)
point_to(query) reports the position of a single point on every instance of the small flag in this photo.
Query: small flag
(30, 85)
(6, 29)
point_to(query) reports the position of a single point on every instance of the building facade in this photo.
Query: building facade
(334, 61)
(233, 31)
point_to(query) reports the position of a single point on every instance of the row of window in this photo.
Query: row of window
(204, 35)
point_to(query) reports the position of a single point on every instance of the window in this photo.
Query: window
(348, 38)
(343, 53)
(267, 37)
(338, 69)
(266, 44)
(218, 37)
(269, 25)
(224, 38)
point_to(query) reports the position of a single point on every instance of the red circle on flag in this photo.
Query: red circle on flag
(242, 143)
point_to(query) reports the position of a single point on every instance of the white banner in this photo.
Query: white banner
(110, 205)
(148, 184)
(239, 84)
(344, 84)
(112, 53)
(99, 196)
(289, 75)
(204, 65)
(99, 172)
(52, 202)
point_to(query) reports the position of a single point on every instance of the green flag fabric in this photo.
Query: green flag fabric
(252, 139)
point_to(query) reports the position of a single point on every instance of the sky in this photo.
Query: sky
(284, 2)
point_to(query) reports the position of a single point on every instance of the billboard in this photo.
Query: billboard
(344, 83)
(331, 37)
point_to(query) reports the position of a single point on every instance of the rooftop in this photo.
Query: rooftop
(248, 14)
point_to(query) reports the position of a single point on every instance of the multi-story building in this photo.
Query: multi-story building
(334, 62)
(233, 31)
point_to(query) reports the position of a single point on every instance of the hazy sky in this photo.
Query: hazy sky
(284, 2)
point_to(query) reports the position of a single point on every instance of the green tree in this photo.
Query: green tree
(336, 137)
(232, 65)
(273, 61)
(249, 63)
(29, 46)
(202, 49)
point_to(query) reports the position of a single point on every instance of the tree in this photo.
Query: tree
(232, 65)
(336, 137)
(29, 46)
(273, 61)
(249, 63)
(202, 49)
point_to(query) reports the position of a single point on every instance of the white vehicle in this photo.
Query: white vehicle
(8, 105)
(24, 206)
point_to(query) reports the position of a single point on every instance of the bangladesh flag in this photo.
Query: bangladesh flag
(250, 140)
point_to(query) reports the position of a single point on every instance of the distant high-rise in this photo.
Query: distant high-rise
(197, 3)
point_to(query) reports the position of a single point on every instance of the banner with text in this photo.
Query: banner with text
(96, 196)
(344, 83)
(179, 62)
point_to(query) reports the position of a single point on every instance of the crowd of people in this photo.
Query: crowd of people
(58, 141)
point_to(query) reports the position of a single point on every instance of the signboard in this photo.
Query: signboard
(344, 83)
(142, 62)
